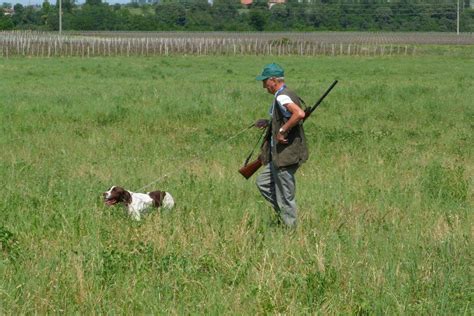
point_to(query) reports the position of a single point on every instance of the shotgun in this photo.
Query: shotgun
(250, 168)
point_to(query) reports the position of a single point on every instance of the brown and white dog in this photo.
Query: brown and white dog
(138, 203)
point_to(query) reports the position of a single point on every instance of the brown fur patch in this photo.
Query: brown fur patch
(157, 197)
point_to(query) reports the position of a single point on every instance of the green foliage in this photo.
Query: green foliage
(384, 201)
(171, 15)
(257, 19)
(6, 22)
(94, 2)
(230, 15)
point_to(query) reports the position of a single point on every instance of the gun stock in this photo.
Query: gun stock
(249, 169)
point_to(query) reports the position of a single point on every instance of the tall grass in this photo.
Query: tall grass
(385, 201)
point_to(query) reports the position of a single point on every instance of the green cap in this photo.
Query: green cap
(271, 70)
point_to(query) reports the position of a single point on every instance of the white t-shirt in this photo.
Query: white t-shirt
(282, 101)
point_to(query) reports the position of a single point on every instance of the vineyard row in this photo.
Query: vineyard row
(56, 46)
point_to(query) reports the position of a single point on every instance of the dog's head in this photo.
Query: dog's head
(116, 195)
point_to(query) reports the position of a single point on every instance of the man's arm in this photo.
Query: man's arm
(297, 114)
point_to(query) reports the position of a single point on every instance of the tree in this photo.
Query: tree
(229, 15)
(257, 19)
(278, 18)
(225, 13)
(6, 22)
(18, 17)
(199, 16)
(94, 2)
(467, 21)
(66, 5)
(383, 17)
(171, 15)
(94, 17)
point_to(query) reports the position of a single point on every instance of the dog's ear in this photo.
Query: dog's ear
(122, 195)
(127, 197)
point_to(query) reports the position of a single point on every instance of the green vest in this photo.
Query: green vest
(283, 155)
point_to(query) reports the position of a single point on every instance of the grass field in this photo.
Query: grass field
(385, 201)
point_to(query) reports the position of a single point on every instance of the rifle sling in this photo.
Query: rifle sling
(254, 147)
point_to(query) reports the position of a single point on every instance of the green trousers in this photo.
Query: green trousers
(278, 186)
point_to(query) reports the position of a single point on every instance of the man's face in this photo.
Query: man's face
(270, 85)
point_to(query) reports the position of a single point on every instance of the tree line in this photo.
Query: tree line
(231, 15)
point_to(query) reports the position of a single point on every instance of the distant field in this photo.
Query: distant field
(385, 200)
(100, 44)
(429, 38)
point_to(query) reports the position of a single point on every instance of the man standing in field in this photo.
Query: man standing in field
(285, 147)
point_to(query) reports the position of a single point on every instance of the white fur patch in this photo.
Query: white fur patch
(168, 201)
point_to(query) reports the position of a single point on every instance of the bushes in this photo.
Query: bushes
(229, 15)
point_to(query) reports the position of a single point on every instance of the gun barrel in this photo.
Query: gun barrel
(310, 110)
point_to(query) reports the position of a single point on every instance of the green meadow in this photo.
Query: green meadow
(385, 200)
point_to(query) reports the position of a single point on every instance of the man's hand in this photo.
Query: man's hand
(281, 138)
(261, 123)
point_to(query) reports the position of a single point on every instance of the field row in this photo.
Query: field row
(49, 45)
(366, 38)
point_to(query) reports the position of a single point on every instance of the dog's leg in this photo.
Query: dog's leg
(134, 214)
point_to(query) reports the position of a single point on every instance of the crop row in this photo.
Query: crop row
(376, 38)
(50, 45)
